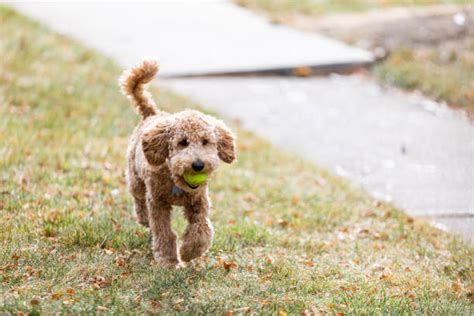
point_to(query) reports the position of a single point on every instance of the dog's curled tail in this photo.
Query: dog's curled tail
(133, 82)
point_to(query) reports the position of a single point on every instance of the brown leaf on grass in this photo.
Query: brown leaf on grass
(109, 251)
(230, 265)
(281, 313)
(34, 301)
(369, 213)
(470, 292)
(120, 261)
(57, 295)
(378, 246)
(283, 223)
(232, 222)
(69, 291)
(385, 275)
(457, 286)
(295, 200)
(229, 313)
(100, 309)
(15, 257)
(155, 304)
(309, 263)
(250, 197)
(99, 282)
(248, 212)
(117, 226)
(139, 233)
(178, 307)
(343, 229)
(407, 269)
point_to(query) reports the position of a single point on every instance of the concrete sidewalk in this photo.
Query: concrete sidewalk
(404, 149)
(193, 38)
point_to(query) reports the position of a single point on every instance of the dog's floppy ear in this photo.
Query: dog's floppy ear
(155, 143)
(225, 142)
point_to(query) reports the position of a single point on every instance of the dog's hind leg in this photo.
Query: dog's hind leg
(164, 240)
(138, 190)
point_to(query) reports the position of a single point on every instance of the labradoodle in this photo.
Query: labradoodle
(163, 148)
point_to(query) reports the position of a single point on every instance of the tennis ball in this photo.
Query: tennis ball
(195, 178)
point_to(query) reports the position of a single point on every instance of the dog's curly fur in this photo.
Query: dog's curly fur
(162, 149)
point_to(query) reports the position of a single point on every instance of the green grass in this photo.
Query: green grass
(317, 7)
(445, 75)
(291, 238)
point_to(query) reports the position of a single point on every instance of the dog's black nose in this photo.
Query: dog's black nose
(198, 165)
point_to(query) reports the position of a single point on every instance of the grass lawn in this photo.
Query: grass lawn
(288, 238)
(444, 74)
(317, 7)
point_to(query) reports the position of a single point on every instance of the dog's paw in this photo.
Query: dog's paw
(197, 240)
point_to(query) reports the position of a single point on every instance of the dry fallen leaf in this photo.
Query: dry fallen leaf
(457, 286)
(99, 282)
(120, 261)
(282, 222)
(309, 263)
(303, 71)
(35, 301)
(295, 200)
(70, 291)
(156, 304)
(100, 309)
(57, 295)
(178, 307)
(230, 265)
(108, 251)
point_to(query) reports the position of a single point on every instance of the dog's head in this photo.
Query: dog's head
(188, 142)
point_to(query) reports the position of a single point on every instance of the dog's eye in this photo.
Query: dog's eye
(205, 142)
(184, 143)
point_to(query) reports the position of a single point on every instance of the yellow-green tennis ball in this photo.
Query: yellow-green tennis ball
(195, 178)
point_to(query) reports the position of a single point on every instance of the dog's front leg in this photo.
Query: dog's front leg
(163, 237)
(198, 236)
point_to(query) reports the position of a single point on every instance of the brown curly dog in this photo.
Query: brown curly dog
(163, 148)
